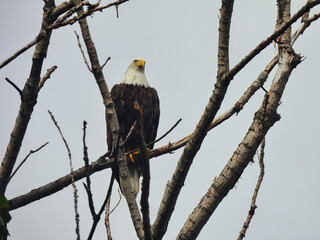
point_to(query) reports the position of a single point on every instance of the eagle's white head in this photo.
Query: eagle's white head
(135, 74)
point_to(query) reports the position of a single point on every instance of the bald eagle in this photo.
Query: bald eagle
(134, 91)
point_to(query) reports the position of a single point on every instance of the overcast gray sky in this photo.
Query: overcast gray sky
(178, 40)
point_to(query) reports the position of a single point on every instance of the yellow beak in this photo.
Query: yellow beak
(140, 63)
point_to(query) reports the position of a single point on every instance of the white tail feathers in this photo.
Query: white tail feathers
(134, 175)
(134, 179)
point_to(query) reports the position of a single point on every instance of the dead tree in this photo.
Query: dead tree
(68, 13)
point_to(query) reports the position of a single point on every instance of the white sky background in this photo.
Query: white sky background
(178, 39)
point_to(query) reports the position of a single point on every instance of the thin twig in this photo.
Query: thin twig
(114, 208)
(129, 133)
(108, 59)
(46, 76)
(25, 159)
(82, 52)
(60, 23)
(107, 220)
(117, 11)
(160, 138)
(97, 217)
(255, 193)
(84, 14)
(14, 85)
(75, 191)
(108, 213)
(86, 164)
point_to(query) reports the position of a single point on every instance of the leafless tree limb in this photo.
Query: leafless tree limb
(41, 36)
(46, 76)
(81, 50)
(60, 183)
(62, 21)
(107, 60)
(264, 119)
(14, 86)
(75, 190)
(87, 186)
(255, 193)
(107, 220)
(97, 217)
(28, 101)
(129, 134)
(305, 24)
(25, 159)
(108, 213)
(44, 32)
(274, 36)
(173, 187)
(158, 139)
(114, 208)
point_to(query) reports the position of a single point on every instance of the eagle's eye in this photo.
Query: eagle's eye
(136, 60)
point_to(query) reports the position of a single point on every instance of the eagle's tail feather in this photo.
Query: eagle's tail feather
(134, 177)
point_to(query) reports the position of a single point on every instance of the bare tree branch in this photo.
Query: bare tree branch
(87, 186)
(264, 119)
(157, 140)
(107, 220)
(129, 135)
(46, 76)
(97, 217)
(108, 213)
(75, 190)
(28, 101)
(45, 31)
(274, 36)
(81, 50)
(60, 183)
(62, 21)
(255, 193)
(25, 159)
(41, 36)
(107, 60)
(305, 24)
(173, 187)
(15, 86)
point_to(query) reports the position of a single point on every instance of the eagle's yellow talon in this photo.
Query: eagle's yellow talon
(133, 154)
(131, 157)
